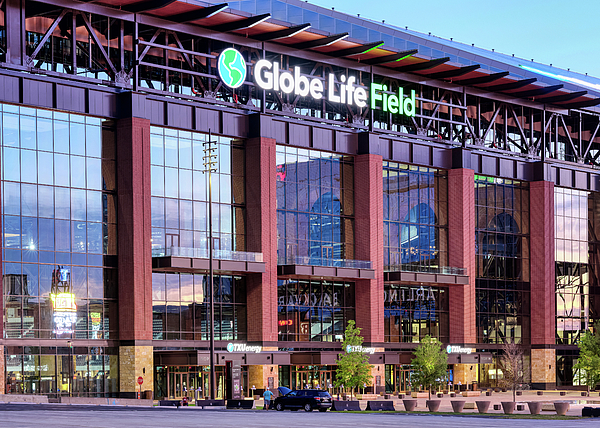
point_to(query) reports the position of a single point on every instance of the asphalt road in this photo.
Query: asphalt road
(50, 416)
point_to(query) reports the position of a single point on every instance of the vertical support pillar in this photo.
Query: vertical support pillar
(14, 22)
(543, 285)
(461, 253)
(368, 243)
(134, 254)
(261, 232)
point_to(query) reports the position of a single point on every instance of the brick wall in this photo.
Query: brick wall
(368, 243)
(261, 232)
(134, 234)
(461, 253)
(541, 196)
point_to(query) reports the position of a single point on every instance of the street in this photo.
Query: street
(59, 416)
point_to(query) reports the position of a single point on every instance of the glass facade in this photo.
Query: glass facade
(181, 308)
(46, 370)
(411, 313)
(502, 251)
(315, 207)
(415, 218)
(180, 193)
(59, 247)
(314, 310)
(576, 225)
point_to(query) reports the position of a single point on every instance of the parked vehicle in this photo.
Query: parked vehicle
(307, 399)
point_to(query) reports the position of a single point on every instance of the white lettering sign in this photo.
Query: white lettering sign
(351, 348)
(242, 347)
(456, 349)
(408, 294)
(268, 76)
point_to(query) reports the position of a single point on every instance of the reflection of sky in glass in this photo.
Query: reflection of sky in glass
(571, 225)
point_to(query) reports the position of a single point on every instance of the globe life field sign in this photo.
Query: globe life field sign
(232, 68)
(269, 76)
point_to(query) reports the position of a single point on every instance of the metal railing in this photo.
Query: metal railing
(202, 253)
(444, 270)
(323, 261)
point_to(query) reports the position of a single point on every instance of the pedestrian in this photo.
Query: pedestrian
(267, 395)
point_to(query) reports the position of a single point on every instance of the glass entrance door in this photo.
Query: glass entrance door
(312, 377)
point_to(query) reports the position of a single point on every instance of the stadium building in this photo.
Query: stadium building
(360, 171)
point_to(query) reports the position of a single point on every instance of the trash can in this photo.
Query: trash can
(474, 385)
(147, 394)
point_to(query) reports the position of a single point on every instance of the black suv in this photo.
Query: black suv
(307, 399)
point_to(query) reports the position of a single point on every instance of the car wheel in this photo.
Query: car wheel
(322, 410)
(279, 407)
(307, 407)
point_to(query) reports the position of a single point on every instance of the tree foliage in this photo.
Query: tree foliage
(588, 362)
(514, 370)
(430, 364)
(353, 368)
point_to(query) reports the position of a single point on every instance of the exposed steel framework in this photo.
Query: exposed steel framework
(169, 47)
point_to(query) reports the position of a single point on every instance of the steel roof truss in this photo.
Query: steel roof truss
(281, 34)
(242, 23)
(196, 15)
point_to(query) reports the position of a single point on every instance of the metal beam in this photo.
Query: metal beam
(563, 98)
(325, 41)
(242, 23)
(538, 91)
(147, 5)
(196, 15)
(357, 50)
(281, 34)
(581, 104)
(513, 85)
(423, 65)
(390, 58)
(48, 33)
(482, 79)
(94, 36)
(454, 73)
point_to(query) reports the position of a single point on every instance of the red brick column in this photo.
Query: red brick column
(461, 253)
(134, 229)
(261, 232)
(543, 312)
(368, 243)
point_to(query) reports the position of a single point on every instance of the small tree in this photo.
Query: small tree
(430, 363)
(588, 362)
(513, 367)
(353, 368)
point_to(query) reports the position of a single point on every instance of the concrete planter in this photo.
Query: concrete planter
(458, 405)
(439, 395)
(562, 393)
(433, 405)
(488, 393)
(561, 407)
(508, 407)
(482, 406)
(540, 393)
(409, 405)
(453, 394)
(519, 392)
(535, 407)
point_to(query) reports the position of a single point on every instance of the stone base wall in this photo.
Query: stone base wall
(464, 374)
(2, 375)
(258, 376)
(543, 368)
(135, 361)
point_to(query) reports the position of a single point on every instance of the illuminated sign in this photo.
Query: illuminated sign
(63, 302)
(455, 349)
(242, 347)
(232, 68)
(286, 322)
(63, 322)
(269, 76)
(350, 349)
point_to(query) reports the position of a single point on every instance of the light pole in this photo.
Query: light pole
(210, 162)
(70, 344)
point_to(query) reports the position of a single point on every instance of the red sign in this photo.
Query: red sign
(140, 380)
(286, 322)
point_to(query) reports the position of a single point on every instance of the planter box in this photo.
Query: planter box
(534, 407)
(457, 405)
(482, 406)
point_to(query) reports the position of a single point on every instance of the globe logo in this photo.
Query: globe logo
(448, 349)
(230, 347)
(232, 68)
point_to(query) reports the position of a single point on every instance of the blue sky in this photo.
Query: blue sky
(563, 33)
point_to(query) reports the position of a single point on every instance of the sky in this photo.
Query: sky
(563, 33)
